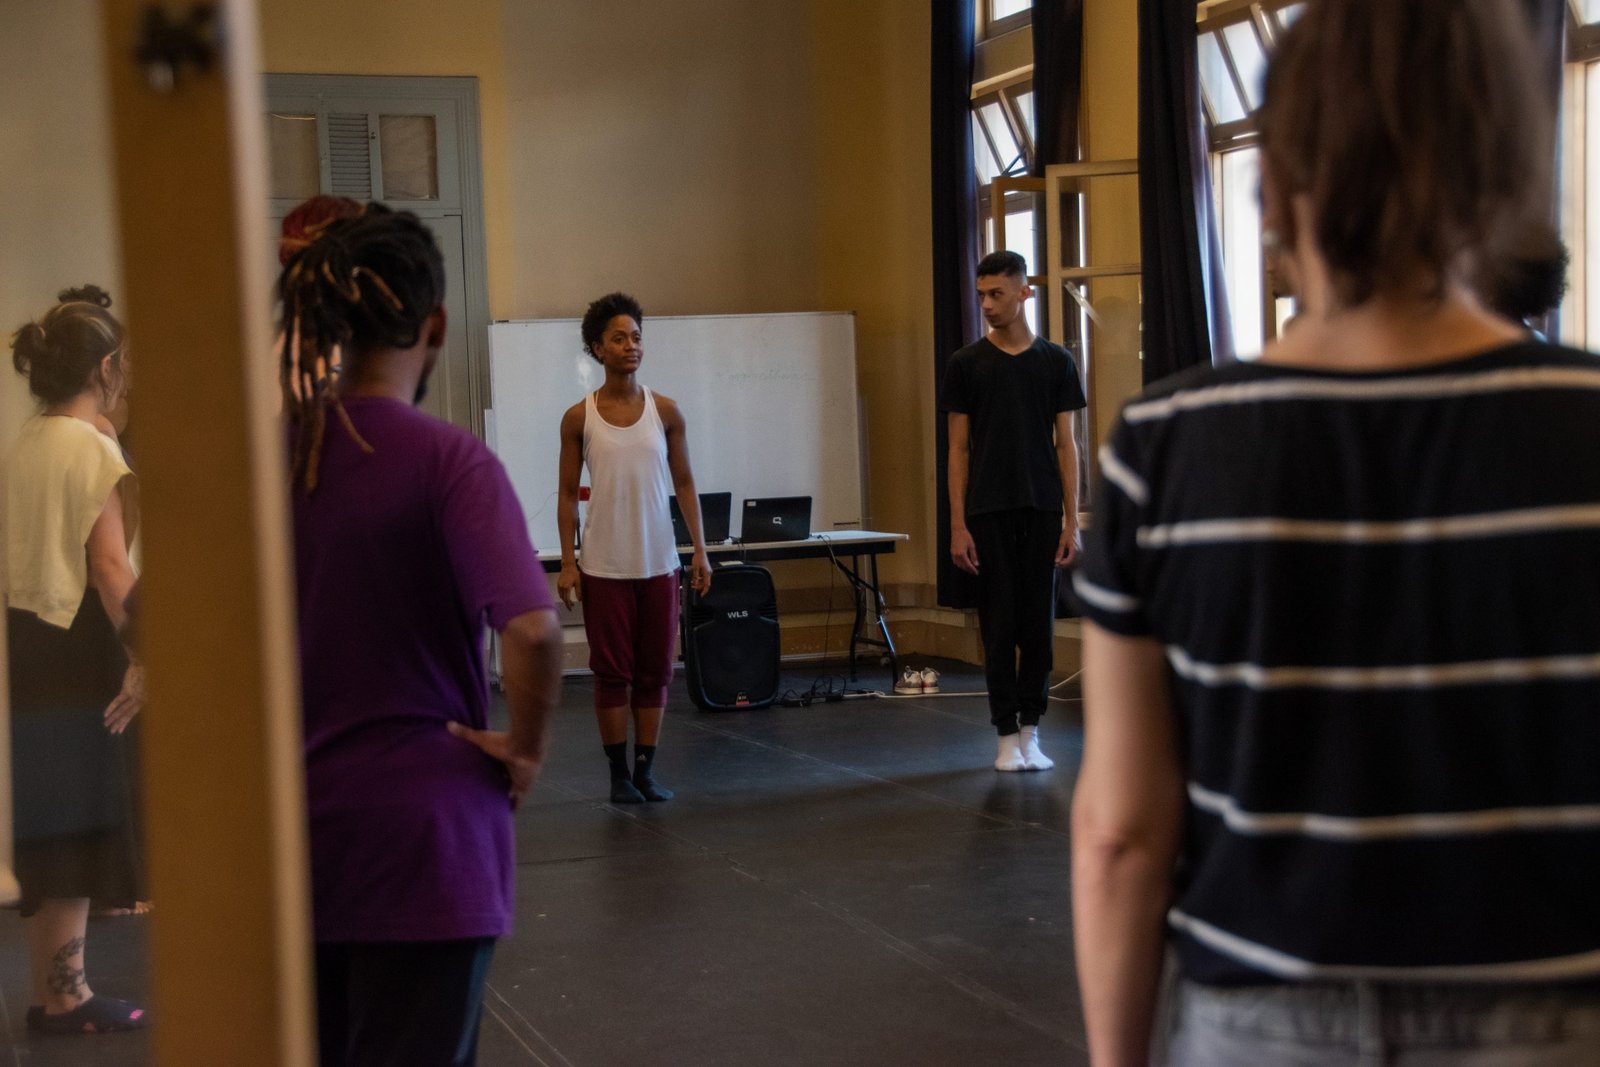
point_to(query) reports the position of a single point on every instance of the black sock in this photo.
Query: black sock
(644, 758)
(623, 790)
(618, 755)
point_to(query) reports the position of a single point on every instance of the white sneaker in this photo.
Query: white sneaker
(910, 681)
(1010, 757)
(1032, 758)
(930, 680)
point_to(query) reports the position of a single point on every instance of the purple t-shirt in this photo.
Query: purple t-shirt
(402, 555)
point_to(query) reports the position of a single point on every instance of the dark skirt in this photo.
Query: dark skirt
(73, 782)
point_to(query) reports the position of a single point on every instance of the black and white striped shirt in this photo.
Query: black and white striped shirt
(1379, 595)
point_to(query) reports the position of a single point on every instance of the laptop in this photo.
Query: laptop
(776, 518)
(714, 518)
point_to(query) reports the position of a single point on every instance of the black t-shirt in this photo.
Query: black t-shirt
(1012, 403)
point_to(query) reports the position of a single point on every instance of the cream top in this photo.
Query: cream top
(58, 476)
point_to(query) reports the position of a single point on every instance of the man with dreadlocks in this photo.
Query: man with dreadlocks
(408, 538)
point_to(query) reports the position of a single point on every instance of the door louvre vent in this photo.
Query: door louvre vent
(350, 152)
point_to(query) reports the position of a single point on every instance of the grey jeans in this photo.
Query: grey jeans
(1364, 1024)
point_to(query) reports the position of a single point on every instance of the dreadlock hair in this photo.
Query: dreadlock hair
(307, 221)
(61, 353)
(603, 311)
(365, 283)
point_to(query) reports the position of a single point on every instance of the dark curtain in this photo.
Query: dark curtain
(1057, 82)
(955, 243)
(1185, 301)
(1057, 93)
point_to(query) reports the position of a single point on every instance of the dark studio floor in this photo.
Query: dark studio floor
(845, 883)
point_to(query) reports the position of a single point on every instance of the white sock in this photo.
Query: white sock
(1032, 758)
(1010, 757)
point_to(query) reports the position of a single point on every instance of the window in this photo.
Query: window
(296, 171)
(1580, 179)
(996, 17)
(1003, 135)
(1235, 39)
(1236, 181)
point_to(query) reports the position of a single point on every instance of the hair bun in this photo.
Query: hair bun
(27, 346)
(86, 294)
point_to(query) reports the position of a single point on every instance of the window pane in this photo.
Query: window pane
(999, 9)
(1240, 228)
(1024, 105)
(994, 120)
(292, 145)
(982, 156)
(1284, 309)
(410, 157)
(1248, 57)
(1589, 10)
(1217, 82)
(1293, 11)
(1020, 238)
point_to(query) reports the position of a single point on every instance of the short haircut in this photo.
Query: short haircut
(1005, 263)
(1418, 132)
(603, 311)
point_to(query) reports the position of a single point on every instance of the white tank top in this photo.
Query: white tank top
(627, 525)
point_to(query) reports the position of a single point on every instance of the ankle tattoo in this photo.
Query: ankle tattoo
(65, 978)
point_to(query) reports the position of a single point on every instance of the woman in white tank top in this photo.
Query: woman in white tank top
(634, 444)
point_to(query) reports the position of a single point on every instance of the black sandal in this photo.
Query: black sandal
(97, 1015)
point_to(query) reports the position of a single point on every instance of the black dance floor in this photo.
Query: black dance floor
(840, 884)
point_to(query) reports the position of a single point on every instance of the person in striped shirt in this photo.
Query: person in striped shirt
(1342, 687)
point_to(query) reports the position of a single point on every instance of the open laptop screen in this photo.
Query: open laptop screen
(777, 518)
(715, 518)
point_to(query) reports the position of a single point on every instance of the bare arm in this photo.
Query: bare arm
(530, 670)
(571, 471)
(1067, 458)
(1127, 816)
(962, 550)
(683, 485)
(111, 574)
(110, 570)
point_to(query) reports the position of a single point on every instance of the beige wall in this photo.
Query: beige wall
(58, 222)
(665, 149)
(876, 202)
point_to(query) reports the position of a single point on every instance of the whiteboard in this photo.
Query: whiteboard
(770, 402)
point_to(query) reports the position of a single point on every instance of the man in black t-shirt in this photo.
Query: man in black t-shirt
(1013, 498)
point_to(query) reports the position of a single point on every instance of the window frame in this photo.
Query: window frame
(1267, 19)
(989, 27)
(1583, 38)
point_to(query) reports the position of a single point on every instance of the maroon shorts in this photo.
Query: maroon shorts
(632, 626)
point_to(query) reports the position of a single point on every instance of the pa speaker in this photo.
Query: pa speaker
(730, 640)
